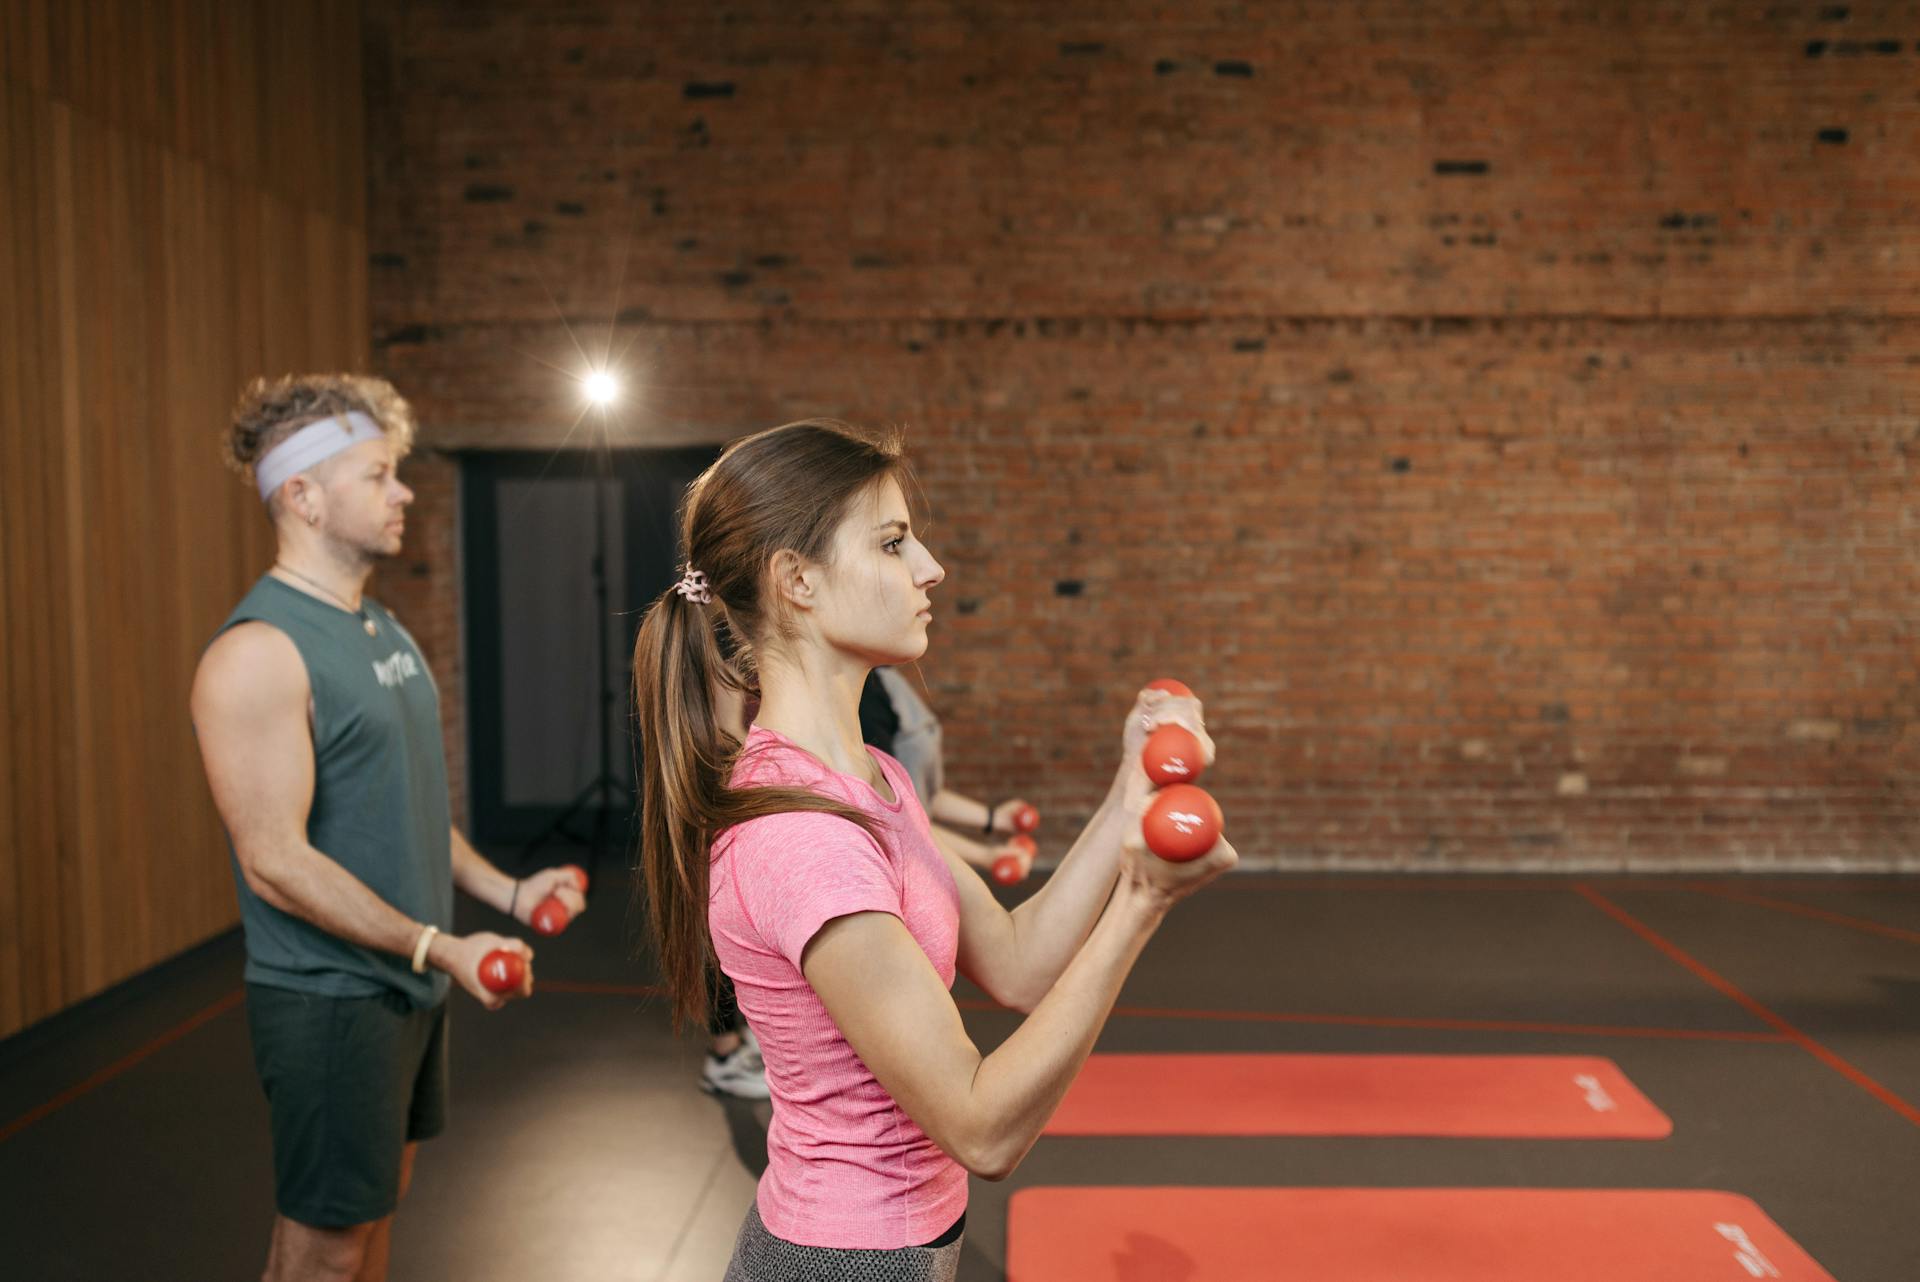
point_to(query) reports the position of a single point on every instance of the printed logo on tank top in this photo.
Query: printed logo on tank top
(396, 668)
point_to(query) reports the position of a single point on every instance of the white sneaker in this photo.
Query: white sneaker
(741, 1073)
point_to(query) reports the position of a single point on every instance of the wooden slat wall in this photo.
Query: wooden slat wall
(184, 208)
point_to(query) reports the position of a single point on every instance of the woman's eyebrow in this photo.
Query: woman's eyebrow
(896, 523)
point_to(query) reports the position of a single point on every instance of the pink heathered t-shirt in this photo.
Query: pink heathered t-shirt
(846, 1166)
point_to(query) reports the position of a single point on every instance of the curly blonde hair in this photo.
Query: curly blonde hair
(272, 409)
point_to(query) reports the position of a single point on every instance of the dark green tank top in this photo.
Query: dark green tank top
(379, 796)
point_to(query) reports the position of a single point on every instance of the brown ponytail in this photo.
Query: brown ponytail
(786, 488)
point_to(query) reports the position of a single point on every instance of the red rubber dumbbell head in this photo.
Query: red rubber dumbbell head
(1025, 818)
(1182, 823)
(1171, 687)
(550, 917)
(502, 971)
(1173, 755)
(579, 876)
(1011, 868)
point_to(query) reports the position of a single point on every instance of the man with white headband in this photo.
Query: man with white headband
(319, 725)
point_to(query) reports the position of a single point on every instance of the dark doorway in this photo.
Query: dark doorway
(534, 700)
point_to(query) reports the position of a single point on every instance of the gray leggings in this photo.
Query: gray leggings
(759, 1256)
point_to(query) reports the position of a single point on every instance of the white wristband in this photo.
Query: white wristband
(420, 948)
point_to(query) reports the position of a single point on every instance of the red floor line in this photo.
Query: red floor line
(1283, 881)
(1727, 988)
(119, 1066)
(1445, 1025)
(1280, 881)
(1807, 910)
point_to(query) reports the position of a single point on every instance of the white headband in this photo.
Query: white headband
(315, 443)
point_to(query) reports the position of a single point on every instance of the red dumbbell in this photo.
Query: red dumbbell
(1012, 868)
(550, 916)
(1173, 755)
(1182, 823)
(502, 971)
(1025, 818)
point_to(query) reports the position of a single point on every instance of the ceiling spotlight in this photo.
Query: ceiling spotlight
(602, 387)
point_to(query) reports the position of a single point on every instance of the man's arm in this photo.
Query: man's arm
(474, 874)
(250, 712)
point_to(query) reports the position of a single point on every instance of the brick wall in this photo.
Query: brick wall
(1503, 417)
(422, 588)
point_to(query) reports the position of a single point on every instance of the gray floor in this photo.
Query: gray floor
(579, 1147)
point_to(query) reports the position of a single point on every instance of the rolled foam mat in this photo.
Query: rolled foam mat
(1486, 1096)
(1396, 1235)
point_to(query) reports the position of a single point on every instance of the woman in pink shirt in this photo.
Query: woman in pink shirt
(800, 859)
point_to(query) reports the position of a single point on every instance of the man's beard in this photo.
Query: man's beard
(353, 555)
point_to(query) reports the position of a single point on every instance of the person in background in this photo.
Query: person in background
(896, 720)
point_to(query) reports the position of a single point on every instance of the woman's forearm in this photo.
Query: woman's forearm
(1018, 1087)
(1050, 927)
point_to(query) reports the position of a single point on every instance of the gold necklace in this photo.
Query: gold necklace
(366, 621)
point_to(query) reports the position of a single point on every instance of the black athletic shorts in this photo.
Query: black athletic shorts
(350, 1081)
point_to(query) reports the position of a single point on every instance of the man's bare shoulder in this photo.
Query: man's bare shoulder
(251, 666)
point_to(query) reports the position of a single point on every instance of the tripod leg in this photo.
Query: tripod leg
(560, 825)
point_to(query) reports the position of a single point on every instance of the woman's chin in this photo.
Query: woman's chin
(894, 652)
(912, 649)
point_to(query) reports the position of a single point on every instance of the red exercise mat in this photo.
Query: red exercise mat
(1487, 1096)
(1396, 1235)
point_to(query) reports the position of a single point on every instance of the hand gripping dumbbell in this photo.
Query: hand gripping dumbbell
(1182, 822)
(550, 916)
